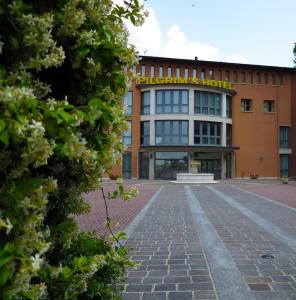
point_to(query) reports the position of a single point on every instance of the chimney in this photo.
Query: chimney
(195, 58)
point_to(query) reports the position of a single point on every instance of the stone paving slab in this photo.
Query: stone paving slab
(166, 245)
(246, 242)
(281, 216)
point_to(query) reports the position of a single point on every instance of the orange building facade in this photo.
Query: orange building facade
(232, 120)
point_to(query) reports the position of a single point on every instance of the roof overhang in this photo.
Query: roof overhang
(187, 148)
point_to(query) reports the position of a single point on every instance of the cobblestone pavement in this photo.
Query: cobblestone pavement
(207, 242)
(121, 213)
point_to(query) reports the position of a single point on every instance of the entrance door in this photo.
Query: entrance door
(144, 165)
(127, 166)
(209, 163)
(168, 164)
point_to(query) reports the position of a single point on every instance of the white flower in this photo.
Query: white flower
(36, 261)
(9, 226)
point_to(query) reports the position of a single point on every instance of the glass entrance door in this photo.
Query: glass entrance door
(144, 165)
(168, 164)
(209, 163)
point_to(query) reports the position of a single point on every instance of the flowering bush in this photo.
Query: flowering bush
(62, 81)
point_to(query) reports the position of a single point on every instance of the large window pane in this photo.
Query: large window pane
(284, 165)
(145, 133)
(171, 132)
(145, 103)
(207, 103)
(284, 137)
(127, 135)
(206, 133)
(172, 101)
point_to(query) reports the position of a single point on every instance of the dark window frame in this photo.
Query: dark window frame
(162, 107)
(246, 105)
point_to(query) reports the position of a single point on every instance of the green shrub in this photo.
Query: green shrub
(62, 81)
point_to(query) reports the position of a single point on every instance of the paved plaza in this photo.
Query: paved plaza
(207, 242)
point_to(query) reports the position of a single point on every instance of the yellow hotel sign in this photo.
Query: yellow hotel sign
(189, 80)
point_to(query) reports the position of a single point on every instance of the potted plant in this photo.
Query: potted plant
(254, 175)
(285, 179)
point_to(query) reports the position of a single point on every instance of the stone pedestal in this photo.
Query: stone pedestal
(195, 178)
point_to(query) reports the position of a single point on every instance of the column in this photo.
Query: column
(152, 132)
(223, 166)
(191, 102)
(151, 165)
(223, 134)
(224, 105)
(152, 102)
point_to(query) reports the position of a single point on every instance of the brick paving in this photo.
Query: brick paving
(122, 213)
(169, 243)
(283, 193)
(246, 242)
(166, 244)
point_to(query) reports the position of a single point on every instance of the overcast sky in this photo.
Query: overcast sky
(246, 31)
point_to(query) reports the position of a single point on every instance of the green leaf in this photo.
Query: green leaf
(84, 52)
(4, 137)
(2, 125)
(5, 257)
(96, 103)
(4, 275)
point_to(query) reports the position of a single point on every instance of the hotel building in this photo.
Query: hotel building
(229, 119)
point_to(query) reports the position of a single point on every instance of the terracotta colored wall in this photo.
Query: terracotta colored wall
(292, 162)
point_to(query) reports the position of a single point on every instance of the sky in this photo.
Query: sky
(259, 32)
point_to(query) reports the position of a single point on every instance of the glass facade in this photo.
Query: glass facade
(168, 164)
(145, 133)
(209, 162)
(171, 132)
(228, 106)
(207, 103)
(145, 103)
(172, 102)
(207, 133)
(128, 103)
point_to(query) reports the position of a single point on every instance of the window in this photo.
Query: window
(251, 77)
(203, 74)
(265, 78)
(228, 106)
(128, 102)
(284, 165)
(273, 79)
(178, 72)
(194, 73)
(169, 71)
(127, 165)
(219, 75)
(227, 76)
(127, 135)
(243, 77)
(172, 101)
(160, 71)
(228, 135)
(280, 79)
(207, 103)
(269, 106)
(145, 103)
(284, 137)
(211, 73)
(134, 69)
(258, 78)
(171, 132)
(207, 133)
(246, 105)
(151, 71)
(186, 72)
(145, 133)
(235, 76)
(143, 70)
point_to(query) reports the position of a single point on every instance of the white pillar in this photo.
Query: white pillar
(151, 165)
(152, 132)
(224, 105)
(223, 166)
(152, 102)
(191, 131)
(223, 134)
